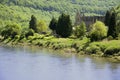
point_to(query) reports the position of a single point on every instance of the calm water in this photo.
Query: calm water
(29, 64)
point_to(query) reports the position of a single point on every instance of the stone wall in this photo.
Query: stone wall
(89, 20)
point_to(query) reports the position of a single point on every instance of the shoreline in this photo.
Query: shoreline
(66, 49)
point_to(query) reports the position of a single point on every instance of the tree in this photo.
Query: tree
(107, 18)
(64, 26)
(98, 31)
(41, 27)
(112, 26)
(33, 23)
(118, 28)
(53, 24)
(80, 30)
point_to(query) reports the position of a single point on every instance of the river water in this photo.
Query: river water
(28, 64)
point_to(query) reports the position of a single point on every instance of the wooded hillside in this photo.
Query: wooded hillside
(19, 11)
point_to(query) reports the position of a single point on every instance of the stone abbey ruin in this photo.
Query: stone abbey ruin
(89, 20)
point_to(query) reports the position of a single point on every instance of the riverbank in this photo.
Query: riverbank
(108, 49)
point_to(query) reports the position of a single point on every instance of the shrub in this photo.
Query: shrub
(30, 32)
(112, 50)
(11, 31)
(118, 36)
(17, 37)
(98, 31)
(93, 49)
(110, 38)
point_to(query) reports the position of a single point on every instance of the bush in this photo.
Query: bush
(110, 38)
(11, 31)
(93, 49)
(112, 50)
(17, 37)
(98, 31)
(30, 32)
(118, 36)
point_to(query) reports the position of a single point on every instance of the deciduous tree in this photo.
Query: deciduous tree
(98, 31)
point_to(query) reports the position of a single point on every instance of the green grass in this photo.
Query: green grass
(107, 47)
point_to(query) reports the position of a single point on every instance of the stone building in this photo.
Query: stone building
(89, 20)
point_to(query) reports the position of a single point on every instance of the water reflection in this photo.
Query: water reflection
(30, 64)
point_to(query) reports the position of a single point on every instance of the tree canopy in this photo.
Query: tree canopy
(11, 31)
(112, 20)
(80, 30)
(19, 11)
(33, 23)
(64, 26)
(53, 24)
(98, 31)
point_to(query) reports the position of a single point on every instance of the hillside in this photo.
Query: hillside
(19, 11)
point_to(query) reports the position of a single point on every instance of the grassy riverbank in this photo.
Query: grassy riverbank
(104, 48)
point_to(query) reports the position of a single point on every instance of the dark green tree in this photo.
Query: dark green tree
(33, 23)
(107, 18)
(53, 24)
(112, 26)
(64, 26)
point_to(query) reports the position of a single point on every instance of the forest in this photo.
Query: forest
(19, 11)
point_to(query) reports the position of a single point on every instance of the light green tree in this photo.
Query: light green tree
(98, 31)
(41, 26)
(80, 30)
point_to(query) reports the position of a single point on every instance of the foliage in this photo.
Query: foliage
(105, 47)
(53, 24)
(80, 30)
(29, 32)
(98, 31)
(19, 11)
(112, 26)
(107, 18)
(64, 26)
(11, 31)
(112, 50)
(112, 20)
(92, 49)
(33, 23)
(41, 26)
(110, 38)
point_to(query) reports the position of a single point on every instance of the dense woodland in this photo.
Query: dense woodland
(19, 11)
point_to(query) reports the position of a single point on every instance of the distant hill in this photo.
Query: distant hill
(20, 11)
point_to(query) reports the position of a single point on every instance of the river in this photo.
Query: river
(28, 64)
